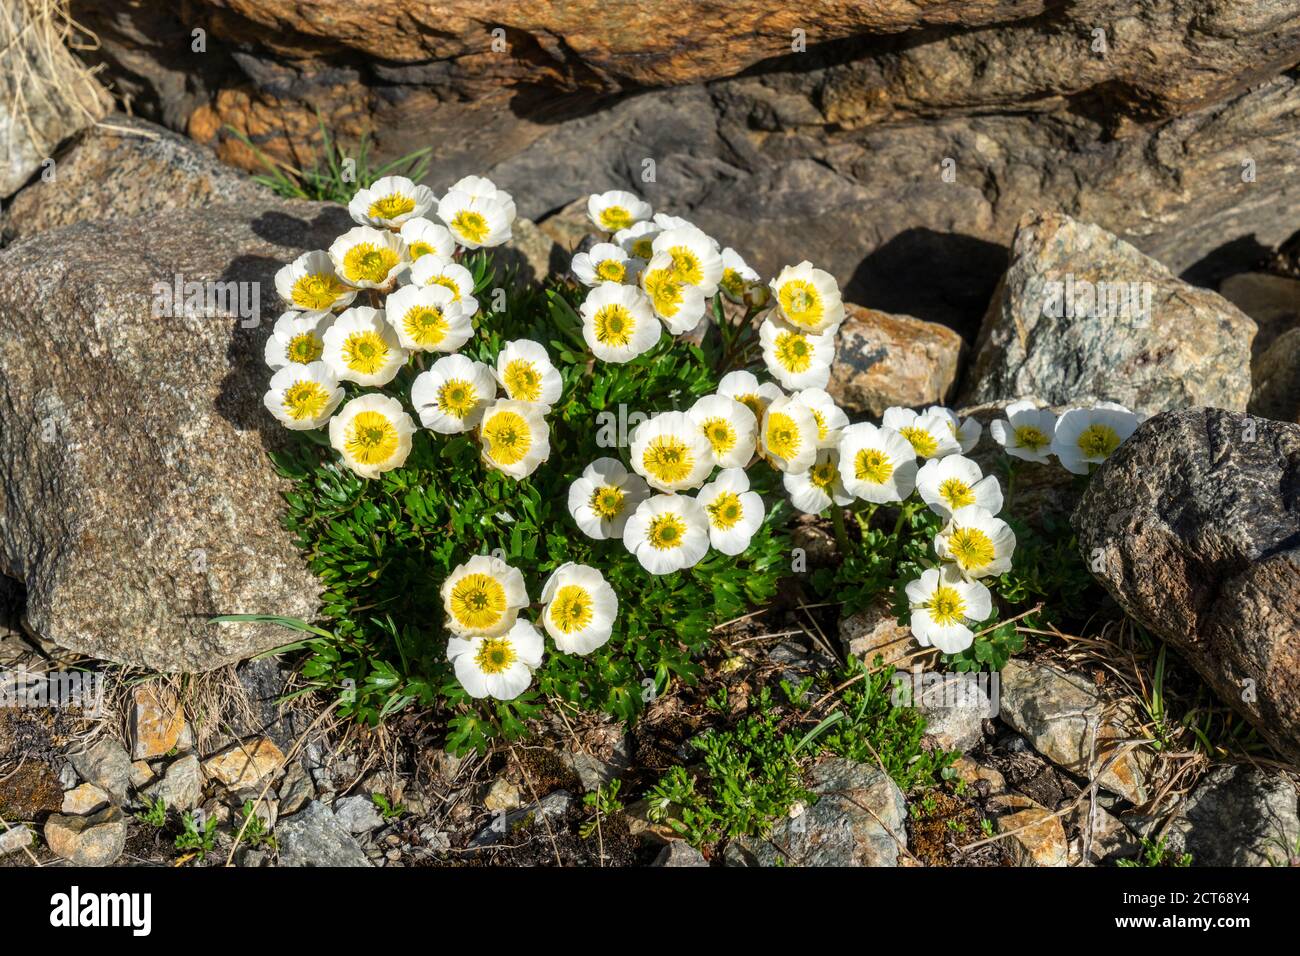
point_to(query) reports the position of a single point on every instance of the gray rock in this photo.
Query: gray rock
(296, 789)
(1238, 816)
(1109, 839)
(955, 708)
(106, 765)
(1193, 526)
(858, 820)
(313, 837)
(88, 440)
(553, 805)
(357, 814)
(95, 840)
(1082, 316)
(14, 839)
(680, 853)
(1067, 722)
(875, 632)
(181, 785)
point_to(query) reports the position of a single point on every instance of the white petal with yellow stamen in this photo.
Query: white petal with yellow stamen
(476, 221)
(808, 298)
(1088, 436)
(679, 304)
(738, 279)
(526, 373)
(302, 397)
(434, 270)
(670, 452)
(930, 434)
(604, 496)
(730, 427)
(831, 419)
(788, 435)
(499, 667)
(480, 187)
(605, 262)
(966, 432)
(424, 237)
(979, 544)
(362, 347)
(514, 437)
(735, 513)
(816, 489)
(745, 388)
(877, 464)
(452, 395)
(369, 258)
(667, 533)
(947, 484)
(696, 258)
(390, 201)
(795, 358)
(616, 210)
(311, 284)
(298, 338)
(483, 597)
(943, 604)
(428, 318)
(1026, 432)
(618, 323)
(580, 608)
(638, 240)
(373, 434)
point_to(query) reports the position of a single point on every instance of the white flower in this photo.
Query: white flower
(679, 304)
(616, 210)
(729, 426)
(618, 323)
(947, 484)
(434, 270)
(605, 262)
(670, 452)
(428, 318)
(303, 396)
(298, 338)
(424, 237)
(499, 667)
(452, 395)
(816, 489)
(931, 434)
(369, 258)
(362, 347)
(1026, 432)
(667, 533)
(877, 464)
(745, 388)
(737, 277)
(1088, 436)
(735, 513)
(666, 222)
(789, 435)
(580, 608)
(966, 432)
(526, 373)
(477, 219)
(808, 298)
(978, 543)
(515, 436)
(373, 434)
(483, 597)
(480, 187)
(696, 258)
(943, 603)
(390, 202)
(311, 284)
(796, 359)
(638, 240)
(604, 496)
(830, 417)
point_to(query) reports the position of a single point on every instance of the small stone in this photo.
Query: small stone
(875, 631)
(314, 837)
(1237, 816)
(552, 805)
(68, 775)
(955, 707)
(84, 799)
(156, 721)
(502, 795)
(267, 809)
(245, 764)
(141, 774)
(1037, 838)
(357, 814)
(979, 776)
(106, 765)
(96, 840)
(181, 786)
(1111, 840)
(680, 853)
(295, 790)
(14, 839)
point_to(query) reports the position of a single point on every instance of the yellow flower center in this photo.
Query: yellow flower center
(494, 655)
(1098, 441)
(304, 347)
(824, 475)
(732, 283)
(523, 381)
(686, 265)
(754, 403)
(572, 609)
(316, 291)
(607, 501)
(667, 531)
(365, 352)
(720, 435)
(614, 325)
(457, 397)
(793, 351)
(821, 424)
(420, 248)
(471, 225)
(665, 291)
(611, 270)
(668, 459)
(971, 548)
(448, 284)
(725, 511)
(783, 438)
(923, 443)
(371, 438)
(1028, 436)
(366, 262)
(956, 493)
(801, 303)
(873, 465)
(425, 325)
(477, 602)
(305, 400)
(946, 606)
(392, 206)
(614, 218)
(644, 247)
(507, 437)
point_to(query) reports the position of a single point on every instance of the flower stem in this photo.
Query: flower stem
(841, 535)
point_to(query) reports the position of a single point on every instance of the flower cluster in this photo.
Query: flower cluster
(1081, 438)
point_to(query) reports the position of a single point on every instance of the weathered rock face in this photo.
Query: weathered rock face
(1237, 816)
(1276, 391)
(883, 360)
(1083, 316)
(1273, 301)
(138, 497)
(1195, 523)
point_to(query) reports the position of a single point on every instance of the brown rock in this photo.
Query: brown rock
(1272, 301)
(84, 799)
(883, 360)
(157, 720)
(96, 840)
(245, 764)
(1036, 838)
(1276, 373)
(875, 631)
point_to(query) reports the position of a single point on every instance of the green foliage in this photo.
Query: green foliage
(198, 839)
(387, 809)
(886, 557)
(155, 815)
(602, 803)
(1154, 853)
(255, 833)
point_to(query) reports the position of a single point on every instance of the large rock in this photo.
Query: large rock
(1238, 816)
(313, 837)
(1276, 374)
(883, 360)
(1193, 525)
(1083, 316)
(96, 840)
(139, 500)
(1273, 301)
